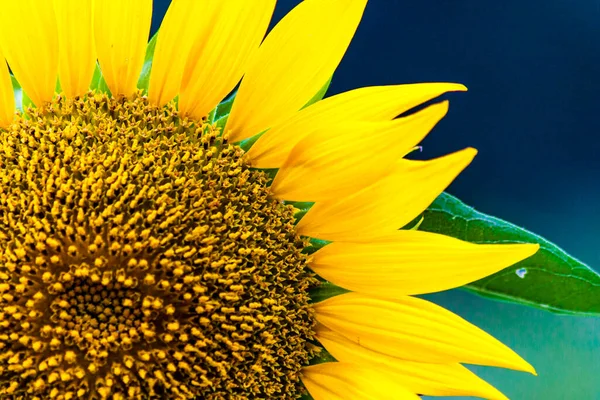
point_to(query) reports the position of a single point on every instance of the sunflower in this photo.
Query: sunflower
(148, 250)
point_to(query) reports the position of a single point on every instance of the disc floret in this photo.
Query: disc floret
(141, 257)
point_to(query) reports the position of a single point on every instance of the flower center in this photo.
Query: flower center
(140, 257)
(98, 318)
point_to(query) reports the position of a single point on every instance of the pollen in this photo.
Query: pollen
(140, 257)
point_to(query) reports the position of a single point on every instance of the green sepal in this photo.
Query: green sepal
(320, 94)
(246, 144)
(321, 357)
(18, 93)
(301, 207)
(221, 122)
(22, 101)
(144, 79)
(551, 279)
(222, 110)
(220, 114)
(58, 87)
(315, 245)
(269, 172)
(325, 291)
(98, 83)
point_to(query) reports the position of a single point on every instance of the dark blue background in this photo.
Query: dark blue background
(533, 72)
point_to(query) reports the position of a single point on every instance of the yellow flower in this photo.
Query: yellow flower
(144, 254)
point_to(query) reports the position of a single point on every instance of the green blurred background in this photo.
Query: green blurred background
(564, 350)
(532, 68)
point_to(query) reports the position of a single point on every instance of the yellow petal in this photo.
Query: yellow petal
(7, 97)
(414, 329)
(33, 57)
(121, 32)
(217, 63)
(387, 204)
(77, 53)
(428, 379)
(340, 159)
(185, 22)
(343, 381)
(292, 64)
(413, 262)
(378, 103)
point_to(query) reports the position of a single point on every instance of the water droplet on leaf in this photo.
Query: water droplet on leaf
(521, 272)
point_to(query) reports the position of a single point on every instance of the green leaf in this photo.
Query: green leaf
(144, 79)
(551, 279)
